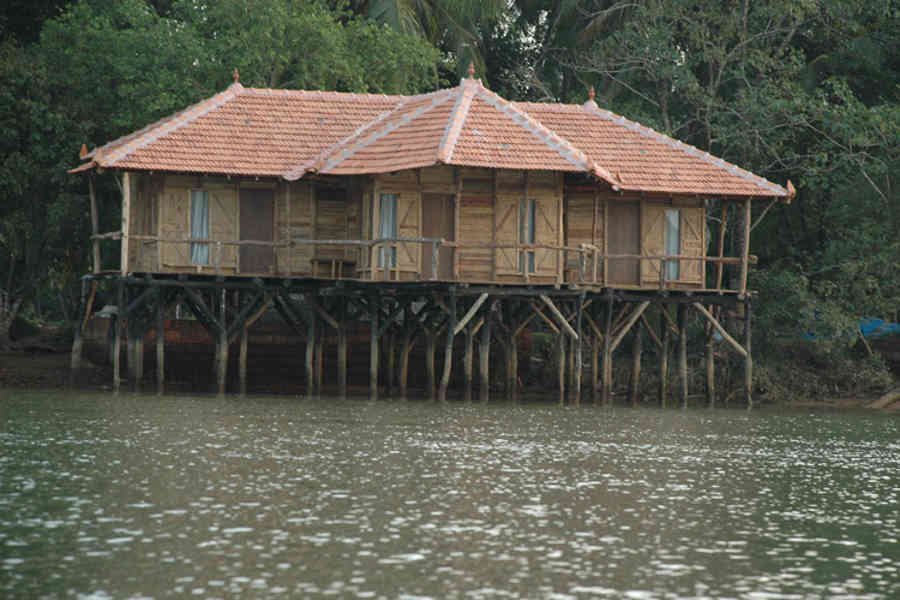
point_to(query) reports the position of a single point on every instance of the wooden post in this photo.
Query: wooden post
(607, 358)
(117, 343)
(748, 360)
(666, 334)
(95, 225)
(242, 360)
(448, 350)
(320, 355)
(405, 348)
(374, 310)
(161, 344)
(467, 362)
(391, 360)
(561, 365)
(484, 358)
(126, 222)
(311, 354)
(579, 316)
(430, 343)
(221, 361)
(720, 267)
(342, 348)
(636, 350)
(745, 256)
(710, 367)
(682, 354)
(138, 336)
(512, 366)
(77, 343)
(595, 367)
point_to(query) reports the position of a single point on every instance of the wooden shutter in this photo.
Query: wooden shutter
(546, 226)
(507, 225)
(174, 226)
(653, 231)
(692, 244)
(223, 225)
(408, 253)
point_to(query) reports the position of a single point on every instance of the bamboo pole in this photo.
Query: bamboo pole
(665, 334)
(682, 354)
(484, 359)
(160, 344)
(607, 351)
(636, 351)
(748, 360)
(242, 361)
(710, 368)
(745, 254)
(374, 310)
(310, 355)
(117, 343)
(448, 348)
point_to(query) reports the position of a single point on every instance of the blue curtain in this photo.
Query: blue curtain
(199, 226)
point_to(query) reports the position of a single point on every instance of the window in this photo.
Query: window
(672, 242)
(388, 220)
(199, 226)
(526, 234)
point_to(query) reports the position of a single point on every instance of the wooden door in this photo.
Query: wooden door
(624, 231)
(257, 206)
(438, 218)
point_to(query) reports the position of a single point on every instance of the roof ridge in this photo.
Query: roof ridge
(553, 140)
(363, 96)
(731, 168)
(151, 133)
(458, 115)
(321, 164)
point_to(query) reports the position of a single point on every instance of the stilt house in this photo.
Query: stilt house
(457, 187)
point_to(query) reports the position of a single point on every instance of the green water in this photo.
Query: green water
(140, 497)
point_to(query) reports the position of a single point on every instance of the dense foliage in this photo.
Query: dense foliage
(806, 90)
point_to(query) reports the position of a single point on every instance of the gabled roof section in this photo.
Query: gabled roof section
(287, 134)
(465, 126)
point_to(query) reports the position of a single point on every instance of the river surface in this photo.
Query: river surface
(155, 497)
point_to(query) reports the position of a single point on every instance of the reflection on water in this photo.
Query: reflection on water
(104, 497)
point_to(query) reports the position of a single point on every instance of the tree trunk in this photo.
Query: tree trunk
(9, 309)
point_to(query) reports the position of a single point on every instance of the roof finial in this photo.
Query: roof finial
(471, 70)
(83, 152)
(591, 93)
(237, 76)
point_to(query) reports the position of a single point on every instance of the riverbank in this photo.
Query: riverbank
(48, 368)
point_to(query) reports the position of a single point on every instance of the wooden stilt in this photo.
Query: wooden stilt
(578, 349)
(467, 362)
(595, 367)
(710, 367)
(430, 343)
(374, 314)
(484, 359)
(561, 366)
(130, 352)
(512, 367)
(637, 348)
(448, 349)
(161, 344)
(682, 355)
(748, 360)
(138, 359)
(342, 351)
(391, 362)
(666, 334)
(320, 355)
(405, 348)
(117, 343)
(607, 354)
(311, 354)
(221, 362)
(242, 360)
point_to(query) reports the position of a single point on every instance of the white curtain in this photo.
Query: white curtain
(673, 242)
(199, 226)
(388, 226)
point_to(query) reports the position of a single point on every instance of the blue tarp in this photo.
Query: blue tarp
(876, 327)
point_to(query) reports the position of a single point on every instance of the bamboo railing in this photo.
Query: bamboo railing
(591, 265)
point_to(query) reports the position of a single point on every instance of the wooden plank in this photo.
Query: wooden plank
(564, 323)
(469, 314)
(725, 335)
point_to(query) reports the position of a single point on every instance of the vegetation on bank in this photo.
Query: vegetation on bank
(803, 90)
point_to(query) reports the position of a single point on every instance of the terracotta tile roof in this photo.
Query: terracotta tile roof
(281, 133)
